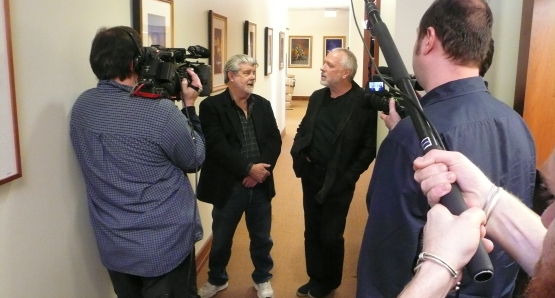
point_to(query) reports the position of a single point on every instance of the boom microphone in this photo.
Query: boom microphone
(480, 266)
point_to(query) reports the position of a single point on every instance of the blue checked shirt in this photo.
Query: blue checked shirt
(133, 153)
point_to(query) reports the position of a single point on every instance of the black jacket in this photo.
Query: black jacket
(224, 164)
(354, 142)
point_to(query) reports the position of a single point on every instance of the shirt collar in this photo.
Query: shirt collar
(250, 100)
(454, 89)
(112, 83)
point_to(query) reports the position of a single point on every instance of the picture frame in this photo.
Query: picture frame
(300, 52)
(249, 39)
(268, 50)
(153, 20)
(217, 42)
(281, 50)
(10, 157)
(332, 42)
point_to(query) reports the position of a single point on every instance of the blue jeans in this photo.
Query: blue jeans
(258, 216)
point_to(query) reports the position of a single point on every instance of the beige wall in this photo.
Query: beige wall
(47, 247)
(311, 22)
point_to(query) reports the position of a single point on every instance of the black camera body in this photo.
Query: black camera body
(163, 69)
(381, 103)
(378, 95)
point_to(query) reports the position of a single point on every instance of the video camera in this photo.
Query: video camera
(163, 69)
(379, 93)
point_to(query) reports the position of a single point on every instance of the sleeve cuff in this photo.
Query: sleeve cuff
(249, 167)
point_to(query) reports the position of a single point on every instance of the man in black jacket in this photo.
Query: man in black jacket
(243, 143)
(335, 143)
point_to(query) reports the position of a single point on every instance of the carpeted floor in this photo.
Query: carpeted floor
(287, 232)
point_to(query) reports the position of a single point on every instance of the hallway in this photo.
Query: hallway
(287, 232)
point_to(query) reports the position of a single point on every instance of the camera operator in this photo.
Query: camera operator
(468, 119)
(133, 153)
(392, 118)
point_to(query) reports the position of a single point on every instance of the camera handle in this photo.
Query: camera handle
(479, 267)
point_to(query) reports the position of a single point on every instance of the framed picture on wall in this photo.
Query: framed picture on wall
(332, 42)
(249, 39)
(153, 19)
(10, 158)
(217, 43)
(300, 51)
(281, 50)
(268, 50)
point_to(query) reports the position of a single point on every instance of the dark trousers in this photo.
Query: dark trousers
(324, 228)
(258, 216)
(181, 282)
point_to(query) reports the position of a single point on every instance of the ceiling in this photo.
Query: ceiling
(318, 4)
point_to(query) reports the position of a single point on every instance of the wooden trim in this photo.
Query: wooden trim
(523, 55)
(372, 45)
(300, 97)
(539, 100)
(202, 255)
(11, 99)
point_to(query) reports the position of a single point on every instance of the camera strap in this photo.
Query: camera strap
(136, 91)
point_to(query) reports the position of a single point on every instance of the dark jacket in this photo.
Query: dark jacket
(224, 164)
(354, 142)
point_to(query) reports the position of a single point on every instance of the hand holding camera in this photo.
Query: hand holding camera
(190, 91)
(391, 117)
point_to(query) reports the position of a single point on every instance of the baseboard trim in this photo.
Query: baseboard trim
(300, 97)
(283, 133)
(203, 254)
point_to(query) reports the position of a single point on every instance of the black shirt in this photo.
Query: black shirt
(321, 146)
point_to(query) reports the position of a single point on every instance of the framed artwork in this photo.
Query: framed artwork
(217, 34)
(249, 39)
(300, 51)
(10, 158)
(153, 19)
(332, 42)
(268, 50)
(281, 50)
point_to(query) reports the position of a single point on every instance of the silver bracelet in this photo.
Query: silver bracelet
(492, 201)
(423, 256)
(490, 194)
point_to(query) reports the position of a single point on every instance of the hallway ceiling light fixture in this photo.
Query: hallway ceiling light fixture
(330, 13)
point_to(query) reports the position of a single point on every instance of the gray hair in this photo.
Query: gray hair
(234, 64)
(349, 61)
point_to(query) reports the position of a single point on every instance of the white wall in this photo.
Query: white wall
(507, 16)
(47, 247)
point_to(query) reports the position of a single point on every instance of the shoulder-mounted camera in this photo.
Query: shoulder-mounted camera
(163, 69)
